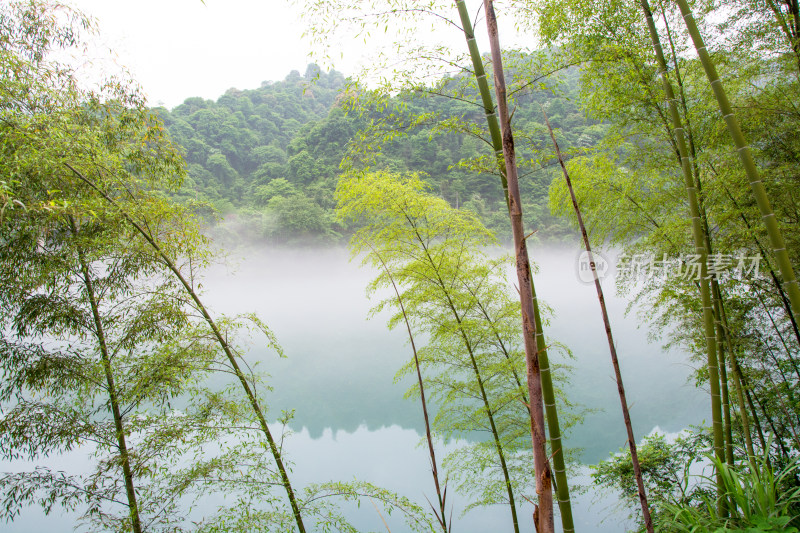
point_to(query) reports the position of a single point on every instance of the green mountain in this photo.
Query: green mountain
(269, 158)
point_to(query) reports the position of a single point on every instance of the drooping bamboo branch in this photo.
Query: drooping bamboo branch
(257, 410)
(479, 305)
(441, 494)
(626, 415)
(700, 251)
(743, 149)
(544, 518)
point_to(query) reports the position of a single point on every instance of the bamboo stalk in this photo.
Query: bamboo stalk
(113, 401)
(753, 410)
(700, 251)
(485, 93)
(743, 149)
(726, 406)
(737, 381)
(559, 471)
(545, 522)
(626, 416)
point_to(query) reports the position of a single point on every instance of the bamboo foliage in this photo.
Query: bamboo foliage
(152, 240)
(395, 16)
(78, 279)
(82, 305)
(743, 150)
(432, 252)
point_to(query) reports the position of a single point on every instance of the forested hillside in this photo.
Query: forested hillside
(269, 158)
(112, 351)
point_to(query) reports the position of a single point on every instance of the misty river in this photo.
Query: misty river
(351, 421)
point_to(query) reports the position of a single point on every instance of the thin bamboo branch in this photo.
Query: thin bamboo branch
(441, 515)
(479, 380)
(626, 415)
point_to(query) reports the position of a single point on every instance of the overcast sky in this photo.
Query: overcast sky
(181, 48)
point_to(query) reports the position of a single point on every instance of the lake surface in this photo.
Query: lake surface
(351, 421)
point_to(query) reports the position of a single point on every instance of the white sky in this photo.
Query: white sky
(180, 48)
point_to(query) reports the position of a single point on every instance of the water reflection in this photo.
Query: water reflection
(351, 420)
(340, 366)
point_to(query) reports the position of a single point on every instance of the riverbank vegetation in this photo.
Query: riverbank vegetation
(677, 124)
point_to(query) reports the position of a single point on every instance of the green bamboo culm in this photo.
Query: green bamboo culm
(484, 91)
(113, 399)
(700, 251)
(731, 360)
(561, 484)
(743, 149)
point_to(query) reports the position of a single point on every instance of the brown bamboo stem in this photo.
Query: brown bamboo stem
(626, 416)
(544, 517)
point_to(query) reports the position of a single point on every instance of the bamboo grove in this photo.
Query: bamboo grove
(109, 346)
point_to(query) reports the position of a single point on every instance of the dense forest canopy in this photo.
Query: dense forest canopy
(667, 132)
(265, 154)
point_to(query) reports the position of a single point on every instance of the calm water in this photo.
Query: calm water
(351, 420)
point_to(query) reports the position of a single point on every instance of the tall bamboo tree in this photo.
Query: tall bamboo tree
(167, 256)
(431, 251)
(557, 452)
(79, 313)
(743, 150)
(544, 518)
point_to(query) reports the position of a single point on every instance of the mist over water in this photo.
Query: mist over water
(340, 366)
(339, 372)
(350, 418)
